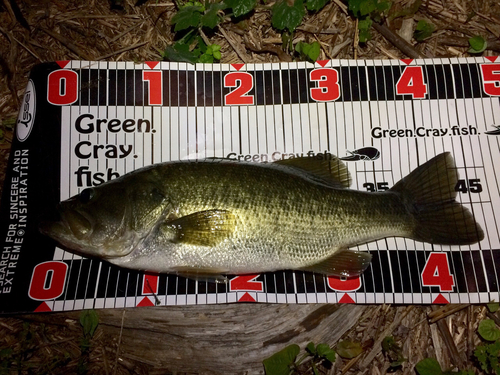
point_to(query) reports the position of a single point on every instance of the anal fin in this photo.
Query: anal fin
(344, 263)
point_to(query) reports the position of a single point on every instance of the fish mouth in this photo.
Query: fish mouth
(70, 224)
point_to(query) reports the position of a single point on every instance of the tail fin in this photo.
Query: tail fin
(429, 194)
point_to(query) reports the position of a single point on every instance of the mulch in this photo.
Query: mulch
(101, 30)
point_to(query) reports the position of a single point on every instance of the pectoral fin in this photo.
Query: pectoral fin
(345, 263)
(199, 274)
(204, 228)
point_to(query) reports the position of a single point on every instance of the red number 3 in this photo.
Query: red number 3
(328, 85)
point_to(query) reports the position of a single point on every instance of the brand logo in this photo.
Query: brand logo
(27, 113)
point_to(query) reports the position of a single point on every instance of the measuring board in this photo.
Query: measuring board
(83, 123)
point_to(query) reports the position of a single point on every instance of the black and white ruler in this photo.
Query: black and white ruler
(83, 123)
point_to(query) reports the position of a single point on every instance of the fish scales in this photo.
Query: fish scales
(284, 218)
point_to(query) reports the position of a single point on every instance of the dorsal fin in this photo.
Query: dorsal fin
(333, 171)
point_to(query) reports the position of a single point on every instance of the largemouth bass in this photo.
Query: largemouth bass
(204, 219)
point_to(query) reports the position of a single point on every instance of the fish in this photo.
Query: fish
(210, 218)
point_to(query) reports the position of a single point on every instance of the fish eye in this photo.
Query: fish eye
(86, 195)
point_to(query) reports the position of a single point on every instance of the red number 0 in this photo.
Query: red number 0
(62, 87)
(437, 273)
(245, 282)
(239, 95)
(328, 85)
(412, 82)
(491, 79)
(154, 77)
(344, 285)
(47, 281)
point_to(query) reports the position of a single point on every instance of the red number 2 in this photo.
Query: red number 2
(239, 95)
(437, 272)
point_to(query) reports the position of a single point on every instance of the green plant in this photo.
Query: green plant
(367, 11)
(308, 51)
(477, 44)
(488, 354)
(430, 366)
(393, 352)
(285, 361)
(423, 30)
(349, 349)
(89, 321)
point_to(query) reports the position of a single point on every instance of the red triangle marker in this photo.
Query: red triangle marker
(322, 62)
(145, 302)
(237, 66)
(43, 307)
(151, 64)
(407, 61)
(492, 58)
(247, 298)
(440, 300)
(62, 63)
(346, 298)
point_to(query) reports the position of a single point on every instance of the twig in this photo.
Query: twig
(444, 311)
(67, 43)
(125, 49)
(119, 343)
(397, 41)
(239, 51)
(450, 343)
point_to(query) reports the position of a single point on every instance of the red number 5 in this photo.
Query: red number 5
(491, 79)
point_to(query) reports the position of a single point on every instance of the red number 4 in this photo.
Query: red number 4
(437, 272)
(412, 83)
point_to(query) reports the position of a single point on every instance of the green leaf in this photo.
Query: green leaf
(428, 366)
(180, 52)
(89, 321)
(488, 330)
(349, 349)
(211, 18)
(493, 307)
(311, 349)
(324, 351)
(279, 363)
(309, 50)
(423, 30)
(315, 5)
(241, 7)
(206, 59)
(362, 8)
(287, 17)
(477, 45)
(187, 17)
(364, 27)
(487, 356)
